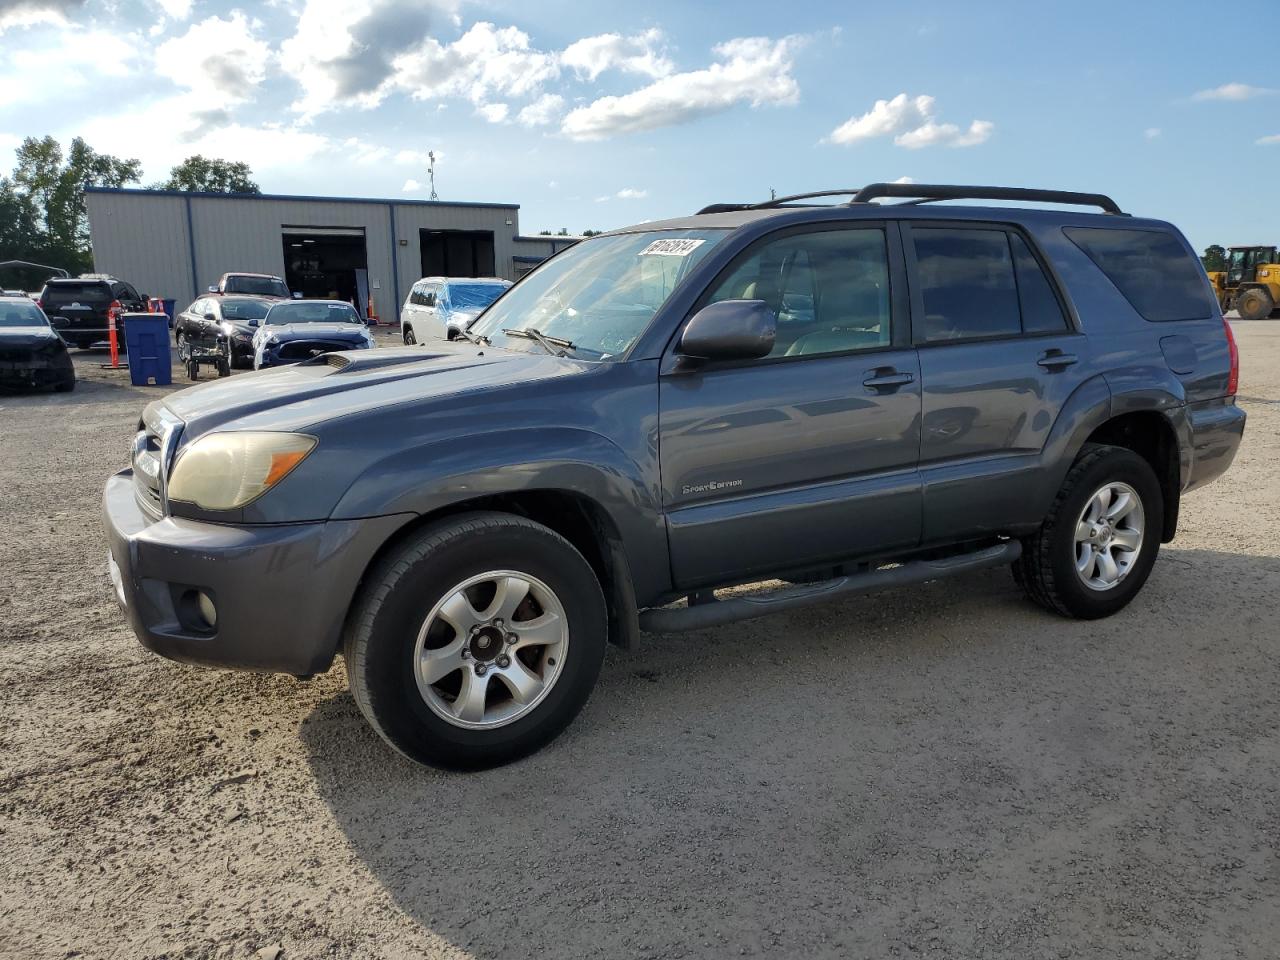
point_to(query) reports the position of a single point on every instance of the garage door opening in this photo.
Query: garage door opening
(327, 263)
(457, 253)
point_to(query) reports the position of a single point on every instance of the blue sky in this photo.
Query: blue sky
(603, 114)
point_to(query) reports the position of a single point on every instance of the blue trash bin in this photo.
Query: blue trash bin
(146, 336)
(168, 308)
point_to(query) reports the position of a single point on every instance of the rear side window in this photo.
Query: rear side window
(967, 283)
(1041, 311)
(1151, 268)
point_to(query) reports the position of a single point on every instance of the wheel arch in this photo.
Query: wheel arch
(580, 519)
(1151, 435)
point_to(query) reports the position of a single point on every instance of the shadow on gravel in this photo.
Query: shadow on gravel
(947, 770)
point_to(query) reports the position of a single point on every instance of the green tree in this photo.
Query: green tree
(1215, 258)
(42, 210)
(592, 233)
(211, 175)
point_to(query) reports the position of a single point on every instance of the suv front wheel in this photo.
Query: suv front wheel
(1098, 544)
(476, 641)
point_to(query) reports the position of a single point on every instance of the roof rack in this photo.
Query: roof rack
(775, 202)
(932, 192)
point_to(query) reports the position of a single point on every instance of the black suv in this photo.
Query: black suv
(845, 398)
(77, 308)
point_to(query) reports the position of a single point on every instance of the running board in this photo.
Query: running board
(716, 612)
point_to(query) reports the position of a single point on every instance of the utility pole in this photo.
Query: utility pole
(773, 194)
(431, 172)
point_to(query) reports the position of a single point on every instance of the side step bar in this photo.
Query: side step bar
(717, 612)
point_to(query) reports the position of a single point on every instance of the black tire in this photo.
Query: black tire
(409, 339)
(180, 343)
(66, 384)
(224, 368)
(399, 593)
(193, 370)
(1254, 304)
(1046, 570)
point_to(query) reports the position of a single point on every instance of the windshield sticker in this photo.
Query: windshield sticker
(671, 248)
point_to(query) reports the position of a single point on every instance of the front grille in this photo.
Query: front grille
(306, 349)
(152, 454)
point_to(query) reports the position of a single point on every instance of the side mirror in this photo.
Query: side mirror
(253, 323)
(213, 288)
(730, 330)
(211, 317)
(297, 294)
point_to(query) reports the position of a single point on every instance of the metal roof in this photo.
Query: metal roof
(384, 201)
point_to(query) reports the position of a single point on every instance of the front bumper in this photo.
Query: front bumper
(281, 591)
(296, 351)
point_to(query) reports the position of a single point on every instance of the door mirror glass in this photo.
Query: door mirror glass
(211, 317)
(730, 330)
(253, 323)
(213, 288)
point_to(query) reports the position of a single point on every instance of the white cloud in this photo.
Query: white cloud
(1233, 91)
(1152, 133)
(631, 193)
(176, 9)
(493, 112)
(485, 61)
(1267, 140)
(910, 121)
(545, 110)
(35, 72)
(415, 158)
(410, 186)
(904, 180)
(752, 70)
(553, 185)
(28, 13)
(642, 53)
(341, 53)
(220, 60)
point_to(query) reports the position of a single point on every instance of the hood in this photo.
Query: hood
(33, 336)
(317, 331)
(345, 384)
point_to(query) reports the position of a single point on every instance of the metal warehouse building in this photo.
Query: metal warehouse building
(175, 245)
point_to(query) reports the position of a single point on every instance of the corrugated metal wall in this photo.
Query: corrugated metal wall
(143, 237)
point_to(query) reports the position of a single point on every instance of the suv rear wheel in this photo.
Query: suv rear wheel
(1098, 544)
(476, 641)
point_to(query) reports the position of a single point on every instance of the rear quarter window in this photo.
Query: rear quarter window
(61, 294)
(1151, 268)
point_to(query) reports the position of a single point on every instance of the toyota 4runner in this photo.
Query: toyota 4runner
(843, 397)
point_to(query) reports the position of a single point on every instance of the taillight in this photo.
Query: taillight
(1233, 380)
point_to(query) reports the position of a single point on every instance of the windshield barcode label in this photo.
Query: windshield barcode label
(671, 248)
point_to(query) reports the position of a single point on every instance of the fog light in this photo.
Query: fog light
(207, 610)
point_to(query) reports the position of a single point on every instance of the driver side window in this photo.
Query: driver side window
(829, 290)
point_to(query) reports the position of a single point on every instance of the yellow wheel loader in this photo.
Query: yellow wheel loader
(1251, 283)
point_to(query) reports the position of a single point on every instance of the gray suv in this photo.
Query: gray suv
(843, 397)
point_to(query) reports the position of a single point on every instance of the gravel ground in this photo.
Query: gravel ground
(941, 772)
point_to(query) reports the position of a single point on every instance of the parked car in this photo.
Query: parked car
(77, 307)
(31, 354)
(303, 329)
(440, 308)
(251, 284)
(235, 317)
(844, 398)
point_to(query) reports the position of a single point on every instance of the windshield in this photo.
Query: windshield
(312, 311)
(262, 286)
(244, 309)
(21, 315)
(599, 294)
(474, 296)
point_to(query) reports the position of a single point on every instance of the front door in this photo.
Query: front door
(999, 359)
(809, 455)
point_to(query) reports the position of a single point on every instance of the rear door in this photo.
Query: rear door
(999, 357)
(810, 454)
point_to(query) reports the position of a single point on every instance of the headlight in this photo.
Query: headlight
(228, 328)
(225, 471)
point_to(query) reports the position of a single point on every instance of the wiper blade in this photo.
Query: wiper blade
(553, 345)
(477, 338)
